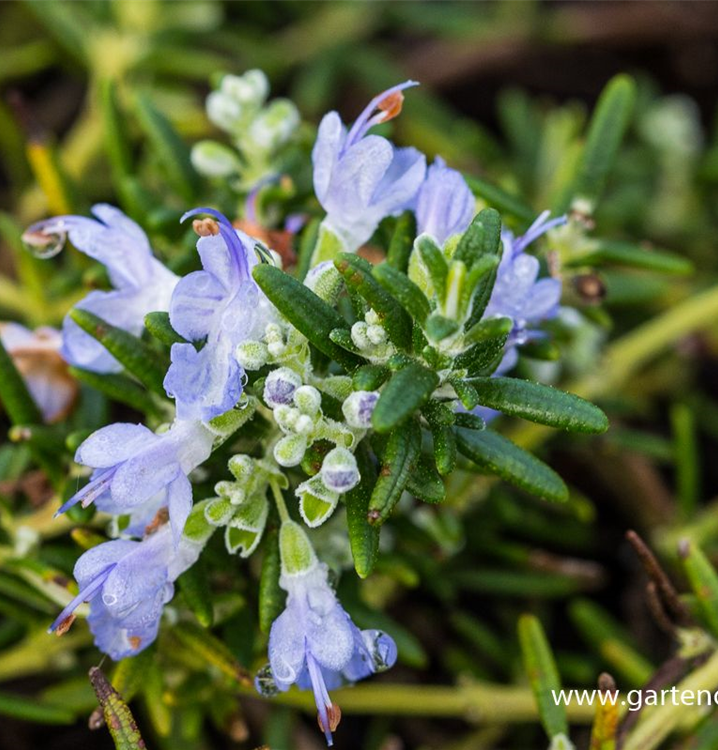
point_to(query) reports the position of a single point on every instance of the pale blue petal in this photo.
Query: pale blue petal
(196, 304)
(115, 443)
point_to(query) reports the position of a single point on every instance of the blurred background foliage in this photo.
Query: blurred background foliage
(505, 96)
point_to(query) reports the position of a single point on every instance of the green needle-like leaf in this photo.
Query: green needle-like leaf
(543, 675)
(271, 595)
(402, 242)
(30, 709)
(14, 394)
(425, 483)
(118, 388)
(540, 403)
(495, 454)
(134, 354)
(436, 264)
(159, 326)
(305, 311)
(408, 294)
(407, 391)
(363, 536)
(399, 456)
(627, 254)
(704, 582)
(194, 586)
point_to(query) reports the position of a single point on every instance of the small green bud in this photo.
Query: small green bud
(252, 355)
(295, 549)
(289, 451)
(241, 466)
(274, 126)
(325, 281)
(215, 159)
(251, 88)
(224, 111)
(308, 400)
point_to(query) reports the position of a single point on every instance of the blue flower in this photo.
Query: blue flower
(445, 205)
(138, 471)
(222, 306)
(314, 643)
(127, 584)
(518, 292)
(142, 284)
(359, 179)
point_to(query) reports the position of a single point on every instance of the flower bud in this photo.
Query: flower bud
(325, 281)
(358, 408)
(339, 471)
(252, 88)
(275, 125)
(223, 111)
(376, 334)
(280, 386)
(295, 549)
(251, 355)
(214, 159)
(359, 335)
(241, 466)
(289, 451)
(308, 399)
(304, 424)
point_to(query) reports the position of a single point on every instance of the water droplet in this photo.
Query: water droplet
(264, 682)
(44, 245)
(382, 649)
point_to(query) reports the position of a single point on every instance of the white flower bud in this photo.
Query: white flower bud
(376, 334)
(274, 126)
(372, 318)
(280, 386)
(339, 470)
(241, 466)
(251, 355)
(308, 399)
(276, 348)
(359, 407)
(286, 417)
(304, 425)
(359, 335)
(252, 88)
(289, 451)
(214, 159)
(223, 111)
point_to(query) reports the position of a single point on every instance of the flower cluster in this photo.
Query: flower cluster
(251, 340)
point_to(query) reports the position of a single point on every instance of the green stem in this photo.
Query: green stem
(474, 702)
(279, 500)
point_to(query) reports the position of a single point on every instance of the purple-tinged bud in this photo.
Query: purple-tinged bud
(358, 408)
(339, 470)
(279, 387)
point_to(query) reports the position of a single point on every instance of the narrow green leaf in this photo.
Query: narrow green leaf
(402, 242)
(438, 327)
(425, 483)
(470, 421)
(271, 595)
(489, 328)
(358, 275)
(436, 264)
(408, 294)
(342, 337)
(213, 651)
(369, 377)
(466, 392)
(543, 675)
(399, 456)
(134, 354)
(118, 388)
(31, 709)
(540, 403)
(363, 536)
(196, 590)
(703, 580)
(627, 254)
(158, 325)
(495, 454)
(481, 242)
(482, 358)
(500, 199)
(543, 349)
(307, 243)
(118, 716)
(606, 130)
(117, 145)
(305, 311)
(131, 672)
(444, 448)
(169, 148)
(405, 393)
